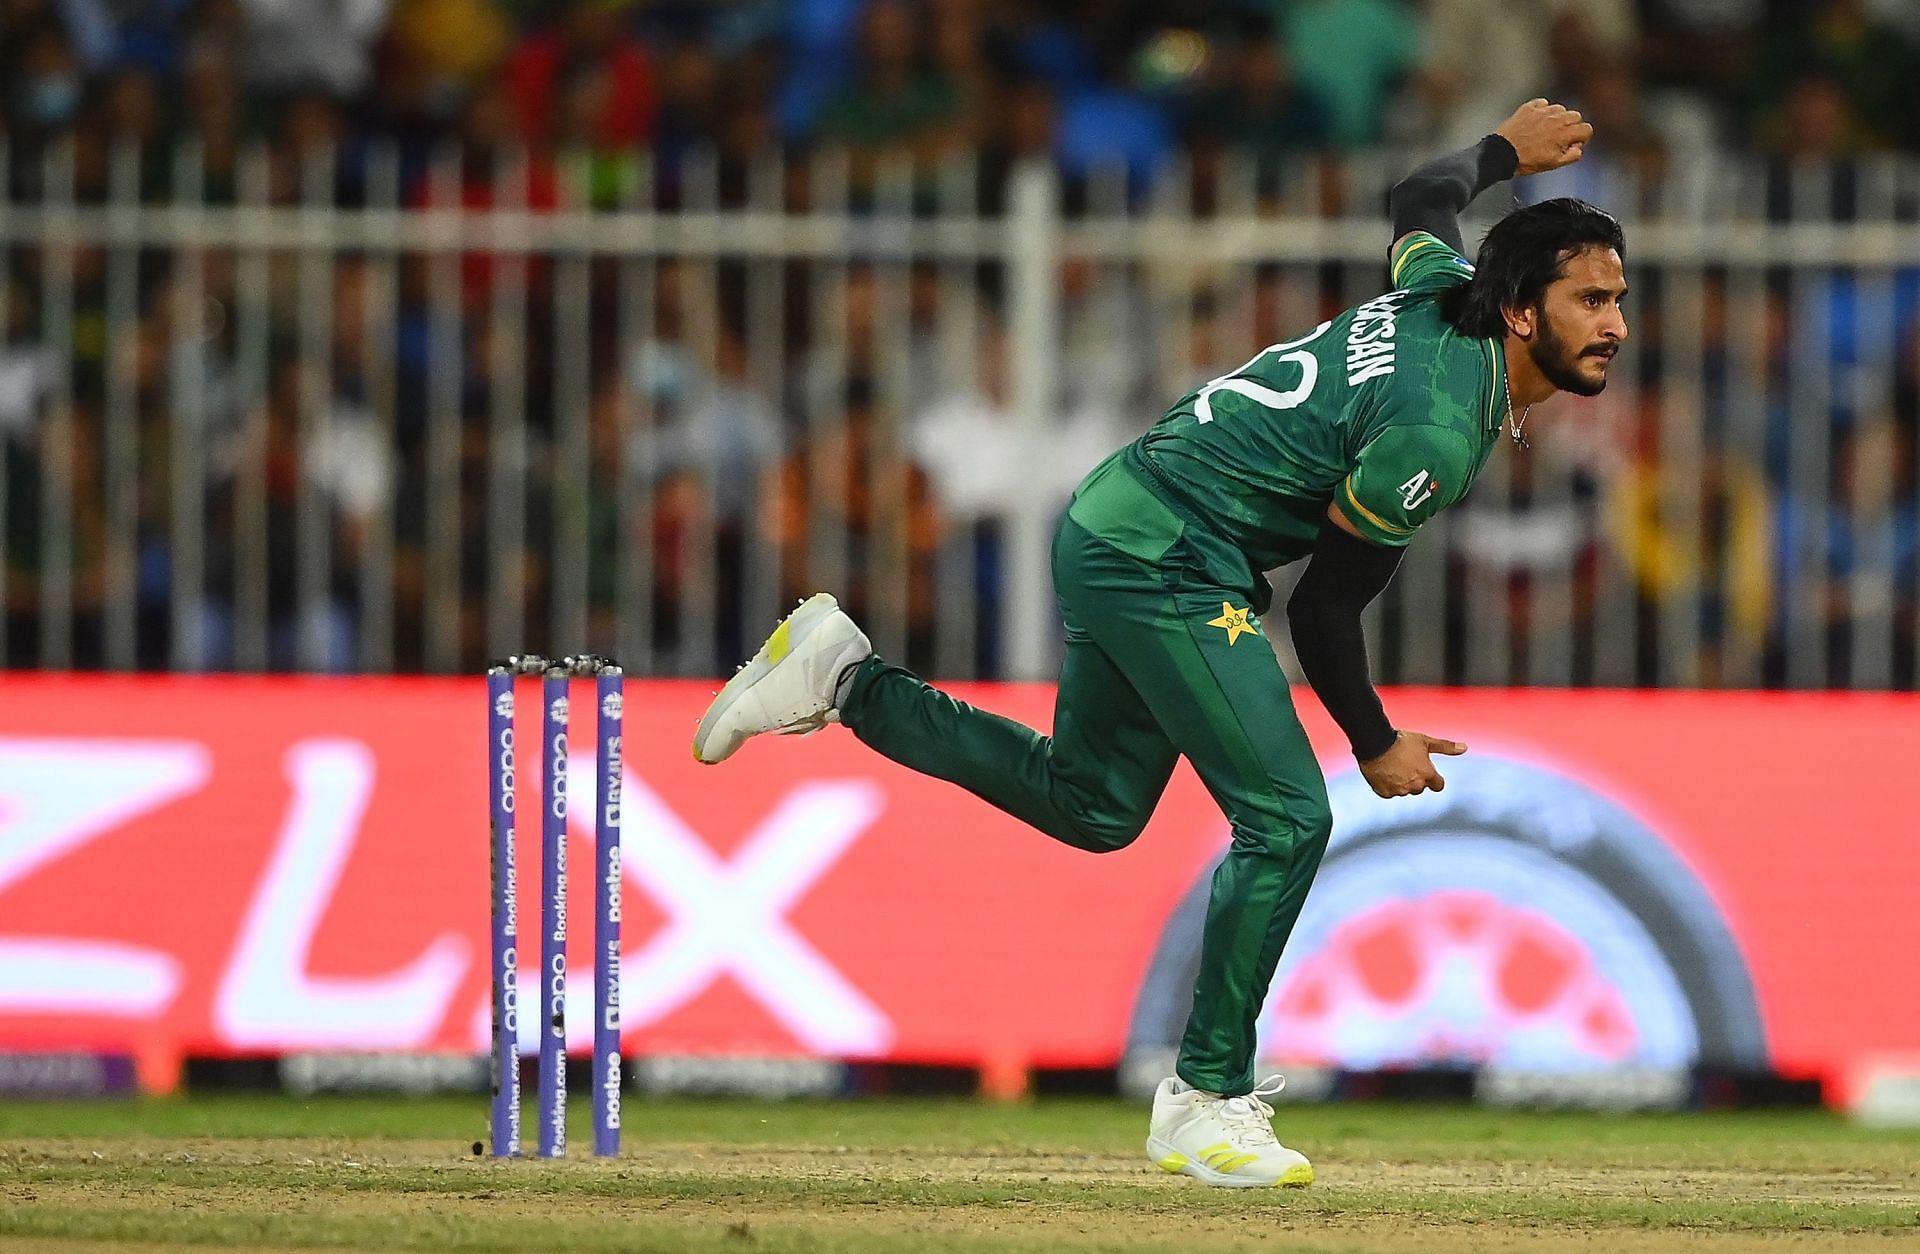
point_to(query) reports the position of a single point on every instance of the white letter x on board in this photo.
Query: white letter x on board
(729, 917)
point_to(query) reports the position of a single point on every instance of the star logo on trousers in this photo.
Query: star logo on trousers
(1234, 622)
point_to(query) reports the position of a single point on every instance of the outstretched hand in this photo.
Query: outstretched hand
(1407, 769)
(1546, 135)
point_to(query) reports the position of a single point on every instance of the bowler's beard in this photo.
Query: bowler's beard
(1559, 363)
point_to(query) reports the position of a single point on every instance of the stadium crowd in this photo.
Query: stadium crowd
(1086, 78)
(628, 85)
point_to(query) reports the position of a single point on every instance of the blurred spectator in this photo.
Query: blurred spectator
(1631, 161)
(1870, 66)
(820, 39)
(710, 441)
(1697, 533)
(209, 87)
(1112, 128)
(1256, 102)
(691, 104)
(748, 131)
(27, 370)
(1816, 121)
(1814, 133)
(591, 40)
(839, 497)
(46, 86)
(1535, 550)
(448, 47)
(1485, 56)
(1351, 55)
(209, 98)
(139, 33)
(899, 96)
(978, 459)
(294, 44)
(971, 443)
(616, 524)
(197, 383)
(1110, 333)
(490, 169)
(1899, 16)
(881, 338)
(317, 155)
(710, 426)
(131, 113)
(1106, 122)
(1018, 127)
(20, 21)
(306, 441)
(1857, 545)
(64, 451)
(592, 171)
(890, 74)
(1705, 45)
(982, 461)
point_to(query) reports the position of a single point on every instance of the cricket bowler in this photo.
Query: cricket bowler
(1335, 448)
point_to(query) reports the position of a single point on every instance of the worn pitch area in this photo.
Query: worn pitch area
(274, 1172)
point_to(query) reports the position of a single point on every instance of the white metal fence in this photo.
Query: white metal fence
(362, 411)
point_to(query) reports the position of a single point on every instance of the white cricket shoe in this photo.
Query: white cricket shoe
(1226, 1141)
(788, 686)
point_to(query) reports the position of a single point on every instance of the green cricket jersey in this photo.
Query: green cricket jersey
(1386, 409)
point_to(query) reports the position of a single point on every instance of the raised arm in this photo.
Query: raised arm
(1539, 136)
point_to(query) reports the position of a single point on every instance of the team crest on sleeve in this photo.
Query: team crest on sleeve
(1415, 491)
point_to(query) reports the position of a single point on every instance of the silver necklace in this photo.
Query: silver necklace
(1515, 429)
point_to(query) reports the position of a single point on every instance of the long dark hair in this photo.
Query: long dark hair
(1520, 256)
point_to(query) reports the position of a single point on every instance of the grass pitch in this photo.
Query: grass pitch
(887, 1175)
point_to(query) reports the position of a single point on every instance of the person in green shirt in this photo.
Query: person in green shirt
(1351, 56)
(1334, 447)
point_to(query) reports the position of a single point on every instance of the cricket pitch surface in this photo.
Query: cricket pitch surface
(272, 1172)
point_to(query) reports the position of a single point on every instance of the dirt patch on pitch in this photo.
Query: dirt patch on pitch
(1642, 1183)
(590, 1223)
(844, 1164)
(784, 1198)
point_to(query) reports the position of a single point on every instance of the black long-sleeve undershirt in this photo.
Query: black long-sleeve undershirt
(1432, 198)
(1342, 578)
(1346, 573)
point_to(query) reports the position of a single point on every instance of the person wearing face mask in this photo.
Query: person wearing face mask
(47, 88)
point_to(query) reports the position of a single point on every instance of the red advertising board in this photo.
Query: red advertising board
(254, 866)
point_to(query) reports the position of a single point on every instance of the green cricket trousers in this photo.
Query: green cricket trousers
(1164, 657)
